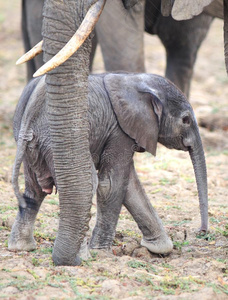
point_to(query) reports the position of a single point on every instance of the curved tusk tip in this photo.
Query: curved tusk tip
(20, 61)
(39, 72)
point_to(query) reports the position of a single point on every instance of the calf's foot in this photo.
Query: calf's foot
(21, 237)
(20, 244)
(160, 245)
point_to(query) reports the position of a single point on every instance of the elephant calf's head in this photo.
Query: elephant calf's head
(149, 109)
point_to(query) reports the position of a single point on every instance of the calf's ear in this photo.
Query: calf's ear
(137, 108)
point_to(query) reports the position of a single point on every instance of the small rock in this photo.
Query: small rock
(9, 222)
(111, 287)
(129, 247)
(117, 250)
(221, 242)
(41, 272)
(103, 254)
(188, 249)
(142, 252)
(9, 290)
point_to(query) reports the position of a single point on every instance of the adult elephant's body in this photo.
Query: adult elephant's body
(181, 39)
(120, 36)
(126, 53)
(123, 47)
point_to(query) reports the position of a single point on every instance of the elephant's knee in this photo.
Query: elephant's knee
(104, 187)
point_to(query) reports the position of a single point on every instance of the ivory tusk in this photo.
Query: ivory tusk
(37, 49)
(77, 39)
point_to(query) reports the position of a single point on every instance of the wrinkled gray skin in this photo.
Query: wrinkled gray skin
(127, 113)
(123, 48)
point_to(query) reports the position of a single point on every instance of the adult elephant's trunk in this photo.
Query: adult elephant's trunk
(198, 160)
(67, 111)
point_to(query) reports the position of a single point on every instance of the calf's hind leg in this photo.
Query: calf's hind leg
(136, 201)
(21, 237)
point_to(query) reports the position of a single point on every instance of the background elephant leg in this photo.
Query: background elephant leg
(136, 201)
(113, 180)
(120, 35)
(21, 237)
(93, 51)
(182, 40)
(31, 31)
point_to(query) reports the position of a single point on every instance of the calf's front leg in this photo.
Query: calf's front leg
(138, 204)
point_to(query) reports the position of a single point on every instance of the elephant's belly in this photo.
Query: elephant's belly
(38, 153)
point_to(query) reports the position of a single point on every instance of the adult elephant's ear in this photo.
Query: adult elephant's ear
(183, 10)
(137, 108)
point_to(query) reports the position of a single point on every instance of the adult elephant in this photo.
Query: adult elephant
(125, 49)
(66, 88)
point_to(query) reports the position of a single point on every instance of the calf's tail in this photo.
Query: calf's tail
(21, 147)
(22, 133)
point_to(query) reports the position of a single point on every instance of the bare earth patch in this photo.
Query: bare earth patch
(198, 266)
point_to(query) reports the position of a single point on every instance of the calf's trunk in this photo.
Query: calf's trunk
(198, 160)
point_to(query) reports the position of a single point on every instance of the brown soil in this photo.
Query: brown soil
(198, 266)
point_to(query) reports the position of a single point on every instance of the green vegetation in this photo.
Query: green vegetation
(208, 236)
(179, 244)
(128, 232)
(39, 236)
(166, 181)
(135, 264)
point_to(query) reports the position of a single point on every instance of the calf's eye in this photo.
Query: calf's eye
(186, 120)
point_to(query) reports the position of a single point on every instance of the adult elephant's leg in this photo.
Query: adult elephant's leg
(113, 180)
(225, 32)
(93, 51)
(136, 201)
(67, 88)
(120, 35)
(21, 237)
(182, 40)
(31, 31)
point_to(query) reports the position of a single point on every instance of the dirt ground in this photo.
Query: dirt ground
(197, 267)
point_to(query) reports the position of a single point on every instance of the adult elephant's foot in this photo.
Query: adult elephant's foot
(161, 245)
(21, 238)
(63, 259)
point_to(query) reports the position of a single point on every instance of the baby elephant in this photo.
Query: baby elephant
(127, 113)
